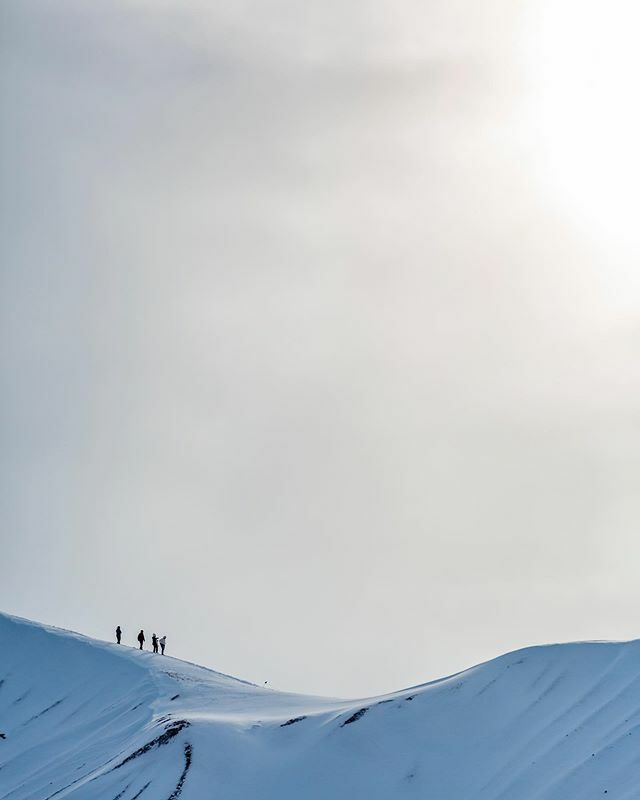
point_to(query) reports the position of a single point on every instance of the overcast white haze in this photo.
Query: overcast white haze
(320, 329)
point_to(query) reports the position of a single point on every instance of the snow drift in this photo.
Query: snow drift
(89, 720)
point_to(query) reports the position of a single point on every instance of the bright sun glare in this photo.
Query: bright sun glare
(585, 63)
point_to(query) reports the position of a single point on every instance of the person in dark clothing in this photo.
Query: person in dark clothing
(141, 638)
(163, 642)
(118, 634)
(154, 642)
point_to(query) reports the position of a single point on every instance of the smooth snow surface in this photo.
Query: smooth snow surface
(89, 720)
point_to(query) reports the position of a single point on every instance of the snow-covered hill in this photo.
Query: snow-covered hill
(93, 721)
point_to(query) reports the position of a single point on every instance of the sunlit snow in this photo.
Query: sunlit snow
(90, 720)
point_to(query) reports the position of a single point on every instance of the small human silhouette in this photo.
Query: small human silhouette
(141, 638)
(118, 634)
(163, 642)
(154, 642)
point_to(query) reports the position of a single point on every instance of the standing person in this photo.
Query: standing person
(141, 638)
(118, 634)
(154, 642)
(163, 641)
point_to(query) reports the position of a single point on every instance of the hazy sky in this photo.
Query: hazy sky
(320, 329)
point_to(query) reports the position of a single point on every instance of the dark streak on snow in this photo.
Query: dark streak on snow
(77, 780)
(21, 698)
(48, 708)
(119, 795)
(175, 697)
(165, 737)
(292, 721)
(486, 687)
(188, 750)
(550, 688)
(178, 676)
(411, 696)
(172, 730)
(542, 675)
(144, 789)
(355, 717)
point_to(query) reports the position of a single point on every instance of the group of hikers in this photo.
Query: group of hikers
(155, 641)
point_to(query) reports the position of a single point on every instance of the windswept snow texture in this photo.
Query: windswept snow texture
(94, 721)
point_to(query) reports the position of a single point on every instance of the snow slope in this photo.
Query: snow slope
(89, 720)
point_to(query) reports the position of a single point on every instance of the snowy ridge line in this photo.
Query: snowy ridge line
(88, 720)
(123, 650)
